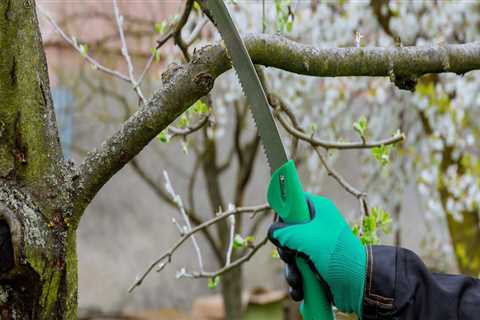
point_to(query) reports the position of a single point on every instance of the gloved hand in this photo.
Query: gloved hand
(331, 249)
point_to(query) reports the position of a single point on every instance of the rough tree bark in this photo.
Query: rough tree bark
(42, 197)
(232, 288)
(38, 276)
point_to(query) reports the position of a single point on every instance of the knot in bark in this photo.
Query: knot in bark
(204, 81)
(200, 55)
(172, 69)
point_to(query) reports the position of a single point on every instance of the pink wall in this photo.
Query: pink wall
(90, 21)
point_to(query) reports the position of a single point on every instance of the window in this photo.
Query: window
(63, 102)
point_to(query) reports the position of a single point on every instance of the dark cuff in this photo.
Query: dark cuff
(378, 302)
(398, 285)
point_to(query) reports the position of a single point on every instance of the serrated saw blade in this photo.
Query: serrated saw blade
(250, 83)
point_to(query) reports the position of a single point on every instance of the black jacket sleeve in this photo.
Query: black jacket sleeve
(399, 286)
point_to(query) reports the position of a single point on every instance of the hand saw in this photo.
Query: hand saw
(285, 194)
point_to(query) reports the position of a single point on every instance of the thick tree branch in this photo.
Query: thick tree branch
(184, 84)
(395, 62)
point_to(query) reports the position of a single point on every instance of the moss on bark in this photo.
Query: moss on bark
(35, 182)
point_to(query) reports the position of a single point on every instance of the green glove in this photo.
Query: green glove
(330, 248)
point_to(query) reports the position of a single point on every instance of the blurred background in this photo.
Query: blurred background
(429, 184)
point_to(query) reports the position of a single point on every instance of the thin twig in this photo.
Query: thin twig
(232, 265)
(178, 28)
(126, 55)
(178, 200)
(181, 230)
(231, 220)
(299, 133)
(87, 57)
(167, 256)
(189, 129)
(163, 195)
(147, 67)
(338, 145)
(335, 175)
(364, 207)
(196, 32)
(278, 104)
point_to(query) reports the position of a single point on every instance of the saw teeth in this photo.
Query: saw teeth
(269, 161)
(234, 47)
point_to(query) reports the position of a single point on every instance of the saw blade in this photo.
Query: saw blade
(250, 83)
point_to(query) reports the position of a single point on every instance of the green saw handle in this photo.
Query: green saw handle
(286, 197)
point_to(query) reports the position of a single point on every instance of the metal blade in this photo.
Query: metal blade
(251, 85)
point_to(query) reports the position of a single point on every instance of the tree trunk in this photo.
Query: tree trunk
(232, 294)
(231, 282)
(465, 237)
(464, 233)
(38, 264)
